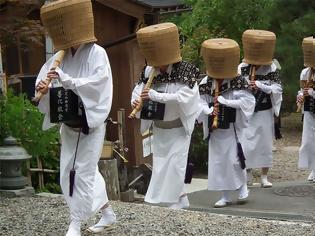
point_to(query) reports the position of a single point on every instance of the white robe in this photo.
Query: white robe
(88, 74)
(224, 171)
(257, 138)
(307, 149)
(170, 146)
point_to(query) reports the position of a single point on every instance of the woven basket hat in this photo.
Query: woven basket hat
(160, 44)
(221, 57)
(69, 22)
(309, 51)
(259, 46)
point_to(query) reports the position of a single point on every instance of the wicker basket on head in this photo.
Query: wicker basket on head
(69, 22)
(160, 44)
(259, 46)
(309, 51)
(221, 57)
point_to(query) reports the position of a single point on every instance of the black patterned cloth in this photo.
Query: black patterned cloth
(236, 83)
(309, 104)
(182, 72)
(272, 76)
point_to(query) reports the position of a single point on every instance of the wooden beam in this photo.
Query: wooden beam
(126, 7)
(43, 170)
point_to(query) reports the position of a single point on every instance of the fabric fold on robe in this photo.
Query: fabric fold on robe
(88, 74)
(224, 170)
(307, 149)
(170, 146)
(258, 136)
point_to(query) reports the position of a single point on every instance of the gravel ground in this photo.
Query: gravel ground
(49, 216)
(286, 155)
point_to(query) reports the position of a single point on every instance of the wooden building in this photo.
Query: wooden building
(116, 22)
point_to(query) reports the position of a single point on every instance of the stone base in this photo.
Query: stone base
(127, 196)
(24, 192)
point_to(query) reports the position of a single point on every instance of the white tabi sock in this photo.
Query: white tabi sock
(243, 191)
(74, 228)
(182, 203)
(264, 182)
(226, 195)
(264, 178)
(108, 217)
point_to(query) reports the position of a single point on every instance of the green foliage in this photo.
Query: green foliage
(291, 26)
(291, 20)
(19, 118)
(198, 152)
(219, 18)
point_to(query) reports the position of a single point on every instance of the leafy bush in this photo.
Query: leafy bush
(19, 118)
(198, 151)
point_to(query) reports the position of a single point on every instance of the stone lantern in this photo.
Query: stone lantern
(12, 157)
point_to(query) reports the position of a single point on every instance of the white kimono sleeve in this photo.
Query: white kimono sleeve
(95, 90)
(276, 98)
(204, 111)
(145, 124)
(244, 102)
(204, 114)
(186, 98)
(44, 106)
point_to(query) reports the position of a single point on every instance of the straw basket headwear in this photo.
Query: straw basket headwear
(160, 44)
(259, 46)
(69, 22)
(308, 46)
(221, 57)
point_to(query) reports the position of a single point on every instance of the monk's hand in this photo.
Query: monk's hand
(42, 86)
(52, 74)
(308, 92)
(145, 94)
(253, 85)
(299, 99)
(215, 111)
(135, 103)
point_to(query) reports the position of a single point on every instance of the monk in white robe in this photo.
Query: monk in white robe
(224, 169)
(258, 136)
(86, 71)
(307, 149)
(175, 86)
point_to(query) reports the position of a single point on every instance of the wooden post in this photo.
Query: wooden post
(29, 174)
(40, 174)
(3, 78)
(122, 169)
(108, 169)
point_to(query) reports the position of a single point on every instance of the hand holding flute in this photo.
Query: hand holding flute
(216, 104)
(43, 85)
(137, 104)
(252, 77)
(306, 85)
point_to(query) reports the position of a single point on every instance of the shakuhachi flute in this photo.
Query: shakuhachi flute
(59, 57)
(216, 103)
(252, 72)
(147, 86)
(306, 84)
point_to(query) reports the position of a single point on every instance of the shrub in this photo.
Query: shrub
(19, 118)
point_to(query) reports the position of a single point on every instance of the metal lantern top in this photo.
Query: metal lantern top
(11, 152)
(160, 44)
(221, 57)
(308, 46)
(69, 22)
(259, 46)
